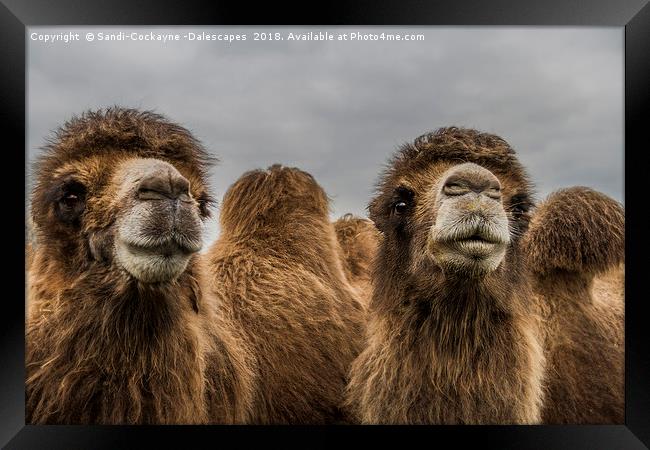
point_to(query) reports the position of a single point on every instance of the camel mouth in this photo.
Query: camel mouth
(482, 236)
(154, 243)
(155, 260)
(163, 245)
(473, 245)
(478, 238)
(167, 250)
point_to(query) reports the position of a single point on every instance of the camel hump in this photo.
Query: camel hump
(576, 230)
(358, 239)
(356, 233)
(350, 225)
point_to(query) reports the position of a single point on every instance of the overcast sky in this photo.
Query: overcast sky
(339, 109)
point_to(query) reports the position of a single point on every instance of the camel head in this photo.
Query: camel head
(121, 191)
(455, 202)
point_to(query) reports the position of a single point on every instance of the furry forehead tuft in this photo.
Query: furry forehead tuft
(459, 145)
(142, 133)
(456, 145)
(463, 143)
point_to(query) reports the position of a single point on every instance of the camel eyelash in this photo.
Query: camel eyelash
(402, 202)
(520, 203)
(403, 194)
(206, 201)
(73, 189)
(64, 188)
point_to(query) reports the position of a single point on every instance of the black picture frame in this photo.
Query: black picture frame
(633, 15)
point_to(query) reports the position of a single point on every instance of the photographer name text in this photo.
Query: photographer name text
(202, 36)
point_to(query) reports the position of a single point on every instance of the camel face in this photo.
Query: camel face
(133, 215)
(455, 203)
(444, 217)
(158, 227)
(120, 195)
(470, 234)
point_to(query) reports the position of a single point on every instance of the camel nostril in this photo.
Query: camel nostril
(470, 177)
(455, 187)
(494, 192)
(164, 184)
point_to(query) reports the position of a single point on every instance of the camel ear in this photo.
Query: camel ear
(576, 230)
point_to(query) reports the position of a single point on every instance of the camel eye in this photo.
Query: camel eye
(402, 200)
(73, 192)
(71, 202)
(400, 207)
(520, 204)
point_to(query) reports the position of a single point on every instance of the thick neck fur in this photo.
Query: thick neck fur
(460, 320)
(450, 350)
(107, 351)
(458, 316)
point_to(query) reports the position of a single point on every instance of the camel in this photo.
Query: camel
(122, 327)
(484, 308)
(281, 270)
(575, 247)
(359, 239)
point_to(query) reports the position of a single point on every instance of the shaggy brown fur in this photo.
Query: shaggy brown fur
(359, 239)
(29, 242)
(29, 253)
(445, 347)
(575, 245)
(102, 346)
(279, 263)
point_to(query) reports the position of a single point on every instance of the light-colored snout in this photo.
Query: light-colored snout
(161, 181)
(471, 180)
(471, 232)
(160, 227)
